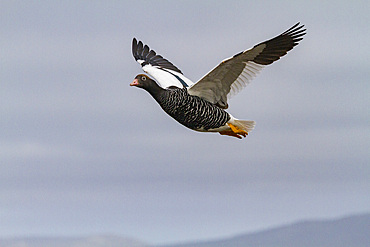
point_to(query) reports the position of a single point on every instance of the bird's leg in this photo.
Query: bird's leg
(230, 133)
(234, 131)
(237, 130)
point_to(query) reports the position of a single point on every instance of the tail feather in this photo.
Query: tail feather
(245, 125)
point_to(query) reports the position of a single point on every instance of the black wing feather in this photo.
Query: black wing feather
(141, 52)
(280, 45)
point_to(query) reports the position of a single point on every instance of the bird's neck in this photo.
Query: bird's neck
(155, 90)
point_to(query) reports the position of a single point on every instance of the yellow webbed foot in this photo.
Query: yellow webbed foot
(230, 133)
(235, 131)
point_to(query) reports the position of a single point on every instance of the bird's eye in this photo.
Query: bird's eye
(143, 78)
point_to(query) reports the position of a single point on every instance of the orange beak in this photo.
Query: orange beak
(135, 83)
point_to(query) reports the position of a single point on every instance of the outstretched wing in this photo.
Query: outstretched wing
(234, 73)
(165, 73)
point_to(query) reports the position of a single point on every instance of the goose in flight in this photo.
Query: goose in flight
(201, 106)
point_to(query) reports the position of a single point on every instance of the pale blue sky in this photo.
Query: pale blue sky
(81, 152)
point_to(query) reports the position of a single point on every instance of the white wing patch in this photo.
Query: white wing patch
(250, 71)
(165, 77)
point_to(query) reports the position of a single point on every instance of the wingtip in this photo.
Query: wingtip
(297, 24)
(134, 48)
(300, 27)
(134, 42)
(295, 28)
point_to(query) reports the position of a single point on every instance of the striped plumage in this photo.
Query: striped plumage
(200, 106)
(191, 111)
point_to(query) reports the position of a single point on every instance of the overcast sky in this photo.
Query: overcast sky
(81, 152)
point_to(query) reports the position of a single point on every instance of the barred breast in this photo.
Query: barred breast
(192, 111)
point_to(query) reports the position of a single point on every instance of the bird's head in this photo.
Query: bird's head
(143, 81)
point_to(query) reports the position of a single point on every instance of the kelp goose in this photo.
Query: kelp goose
(200, 106)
